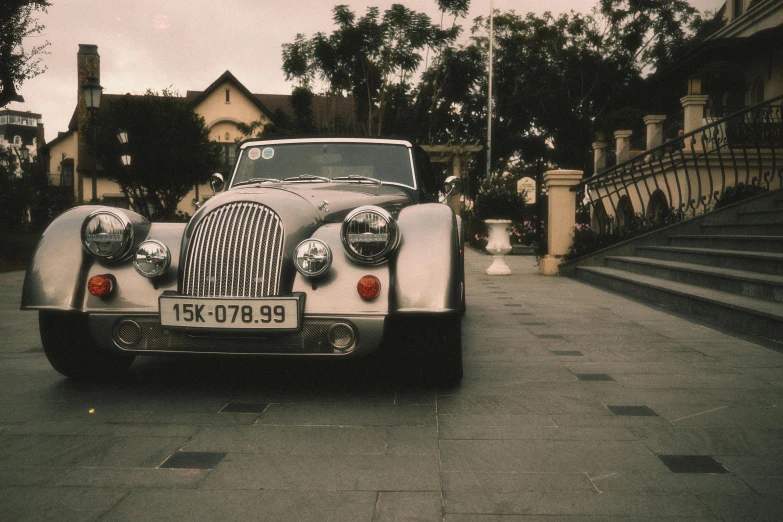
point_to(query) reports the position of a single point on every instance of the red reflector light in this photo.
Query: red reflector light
(100, 285)
(369, 287)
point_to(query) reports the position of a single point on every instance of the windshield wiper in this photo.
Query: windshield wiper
(359, 178)
(255, 180)
(307, 177)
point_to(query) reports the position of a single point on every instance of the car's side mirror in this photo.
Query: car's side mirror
(452, 185)
(216, 182)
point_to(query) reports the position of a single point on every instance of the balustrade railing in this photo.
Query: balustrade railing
(734, 154)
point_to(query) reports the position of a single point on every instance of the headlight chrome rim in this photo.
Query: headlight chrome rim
(392, 240)
(126, 230)
(298, 259)
(161, 249)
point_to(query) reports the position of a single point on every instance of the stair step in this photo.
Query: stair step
(746, 314)
(764, 262)
(764, 215)
(741, 282)
(756, 227)
(756, 243)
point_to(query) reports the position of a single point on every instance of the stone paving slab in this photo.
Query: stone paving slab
(570, 396)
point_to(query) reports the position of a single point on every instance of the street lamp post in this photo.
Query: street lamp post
(92, 100)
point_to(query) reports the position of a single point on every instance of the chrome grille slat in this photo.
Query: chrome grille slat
(277, 258)
(253, 248)
(231, 249)
(236, 268)
(261, 267)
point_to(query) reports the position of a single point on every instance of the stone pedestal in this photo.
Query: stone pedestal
(654, 123)
(693, 117)
(561, 217)
(599, 156)
(623, 141)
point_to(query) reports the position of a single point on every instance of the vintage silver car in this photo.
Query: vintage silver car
(319, 248)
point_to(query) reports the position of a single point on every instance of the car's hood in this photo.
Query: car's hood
(325, 202)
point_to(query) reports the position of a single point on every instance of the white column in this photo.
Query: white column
(654, 123)
(599, 156)
(623, 147)
(693, 115)
(455, 199)
(561, 217)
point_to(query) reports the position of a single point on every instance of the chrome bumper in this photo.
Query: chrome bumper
(319, 336)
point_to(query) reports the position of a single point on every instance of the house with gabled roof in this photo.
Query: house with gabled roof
(225, 104)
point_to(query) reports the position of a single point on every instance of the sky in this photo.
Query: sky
(187, 44)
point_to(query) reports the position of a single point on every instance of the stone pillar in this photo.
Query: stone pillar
(455, 200)
(623, 140)
(599, 156)
(88, 63)
(693, 109)
(654, 123)
(561, 217)
(693, 116)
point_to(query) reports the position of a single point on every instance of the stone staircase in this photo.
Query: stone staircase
(724, 267)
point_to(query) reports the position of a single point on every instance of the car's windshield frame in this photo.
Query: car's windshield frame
(340, 141)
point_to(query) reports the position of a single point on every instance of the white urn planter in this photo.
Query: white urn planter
(498, 245)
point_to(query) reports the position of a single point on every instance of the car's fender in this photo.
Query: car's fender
(57, 276)
(335, 292)
(426, 271)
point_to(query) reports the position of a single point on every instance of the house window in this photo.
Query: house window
(228, 153)
(3, 119)
(66, 178)
(17, 140)
(228, 95)
(738, 8)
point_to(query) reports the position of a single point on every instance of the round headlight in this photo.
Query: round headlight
(369, 234)
(312, 257)
(107, 235)
(152, 259)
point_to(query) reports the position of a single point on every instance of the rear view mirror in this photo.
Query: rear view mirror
(452, 185)
(216, 182)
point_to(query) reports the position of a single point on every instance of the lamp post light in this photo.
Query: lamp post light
(92, 100)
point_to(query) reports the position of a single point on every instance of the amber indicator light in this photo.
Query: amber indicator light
(369, 287)
(100, 285)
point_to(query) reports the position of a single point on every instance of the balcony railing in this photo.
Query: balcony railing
(736, 152)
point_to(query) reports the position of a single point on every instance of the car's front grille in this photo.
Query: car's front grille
(235, 251)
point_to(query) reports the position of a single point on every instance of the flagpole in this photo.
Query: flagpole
(489, 94)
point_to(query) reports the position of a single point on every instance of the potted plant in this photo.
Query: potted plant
(498, 204)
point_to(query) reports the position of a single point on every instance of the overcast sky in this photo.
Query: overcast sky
(187, 44)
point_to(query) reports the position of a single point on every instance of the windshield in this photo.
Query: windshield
(322, 162)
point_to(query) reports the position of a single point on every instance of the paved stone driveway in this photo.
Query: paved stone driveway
(576, 403)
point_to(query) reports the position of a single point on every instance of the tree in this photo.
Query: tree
(169, 147)
(557, 77)
(374, 59)
(17, 22)
(27, 201)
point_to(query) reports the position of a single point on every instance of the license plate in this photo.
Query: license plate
(271, 313)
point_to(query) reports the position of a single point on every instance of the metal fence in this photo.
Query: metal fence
(737, 151)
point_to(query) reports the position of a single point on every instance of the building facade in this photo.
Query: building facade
(21, 133)
(225, 105)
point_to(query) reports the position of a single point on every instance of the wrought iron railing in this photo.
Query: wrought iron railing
(732, 155)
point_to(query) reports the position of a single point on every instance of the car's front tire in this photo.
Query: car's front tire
(430, 348)
(445, 350)
(71, 351)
